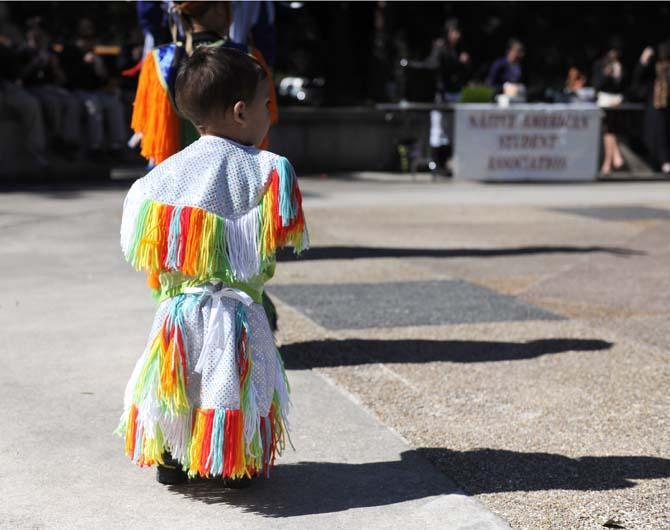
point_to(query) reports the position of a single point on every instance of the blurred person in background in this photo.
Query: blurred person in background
(155, 119)
(381, 59)
(608, 81)
(88, 76)
(574, 89)
(653, 72)
(575, 81)
(253, 23)
(10, 34)
(16, 103)
(43, 76)
(506, 74)
(452, 67)
(153, 19)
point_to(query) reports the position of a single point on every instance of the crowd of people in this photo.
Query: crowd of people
(72, 96)
(66, 96)
(507, 80)
(70, 99)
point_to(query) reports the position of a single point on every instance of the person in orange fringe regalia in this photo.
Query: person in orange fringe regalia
(209, 396)
(155, 116)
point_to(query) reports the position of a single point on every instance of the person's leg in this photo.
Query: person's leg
(617, 157)
(50, 110)
(71, 119)
(438, 138)
(94, 121)
(28, 112)
(663, 140)
(439, 144)
(116, 126)
(606, 168)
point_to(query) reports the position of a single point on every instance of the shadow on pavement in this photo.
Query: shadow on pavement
(495, 470)
(349, 352)
(322, 253)
(307, 488)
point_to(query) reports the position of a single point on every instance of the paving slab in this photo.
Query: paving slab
(367, 305)
(73, 320)
(551, 423)
(613, 285)
(619, 213)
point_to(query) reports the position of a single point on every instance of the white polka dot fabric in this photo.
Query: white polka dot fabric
(213, 173)
(218, 384)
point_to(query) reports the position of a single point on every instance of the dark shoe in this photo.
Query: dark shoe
(237, 483)
(438, 163)
(170, 472)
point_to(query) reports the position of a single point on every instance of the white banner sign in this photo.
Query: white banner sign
(526, 142)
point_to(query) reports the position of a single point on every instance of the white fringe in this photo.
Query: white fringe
(282, 389)
(132, 382)
(242, 245)
(131, 209)
(177, 434)
(149, 414)
(252, 421)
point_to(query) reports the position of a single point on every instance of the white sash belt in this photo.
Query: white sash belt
(214, 341)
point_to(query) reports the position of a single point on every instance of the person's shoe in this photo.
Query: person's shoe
(170, 471)
(237, 483)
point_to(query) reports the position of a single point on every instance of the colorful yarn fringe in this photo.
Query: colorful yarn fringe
(164, 370)
(154, 115)
(207, 442)
(252, 435)
(283, 222)
(202, 244)
(186, 239)
(216, 445)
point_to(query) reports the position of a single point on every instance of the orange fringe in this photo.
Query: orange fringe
(131, 431)
(154, 116)
(274, 112)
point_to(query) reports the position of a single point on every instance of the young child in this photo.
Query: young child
(209, 396)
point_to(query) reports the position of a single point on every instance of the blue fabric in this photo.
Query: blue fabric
(287, 204)
(503, 72)
(168, 58)
(153, 19)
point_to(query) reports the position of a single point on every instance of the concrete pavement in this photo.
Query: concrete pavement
(74, 318)
(515, 336)
(551, 421)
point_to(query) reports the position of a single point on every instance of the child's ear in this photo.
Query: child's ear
(239, 113)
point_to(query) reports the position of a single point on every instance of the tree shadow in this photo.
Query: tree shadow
(345, 252)
(486, 470)
(307, 488)
(350, 352)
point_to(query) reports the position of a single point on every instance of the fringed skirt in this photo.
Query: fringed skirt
(210, 388)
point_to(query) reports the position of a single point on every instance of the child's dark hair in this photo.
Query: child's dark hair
(213, 79)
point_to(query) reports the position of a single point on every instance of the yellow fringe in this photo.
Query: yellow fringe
(196, 443)
(268, 232)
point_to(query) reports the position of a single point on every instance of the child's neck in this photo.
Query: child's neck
(229, 133)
